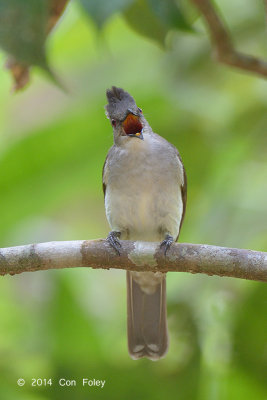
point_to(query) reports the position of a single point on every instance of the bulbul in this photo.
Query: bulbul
(144, 184)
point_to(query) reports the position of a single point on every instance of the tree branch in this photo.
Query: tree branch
(135, 256)
(222, 42)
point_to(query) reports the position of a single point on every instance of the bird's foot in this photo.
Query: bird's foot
(114, 242)
(166, 243)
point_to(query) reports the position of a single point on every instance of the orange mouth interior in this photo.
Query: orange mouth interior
(132, 125)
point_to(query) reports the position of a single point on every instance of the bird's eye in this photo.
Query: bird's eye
(140, 110)
(113, 122)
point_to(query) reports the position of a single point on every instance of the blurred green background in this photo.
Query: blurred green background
(72, 323)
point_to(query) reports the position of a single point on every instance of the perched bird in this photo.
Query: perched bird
(144, 183)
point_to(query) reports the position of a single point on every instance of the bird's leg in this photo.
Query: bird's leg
(166, 243)
(113, 240)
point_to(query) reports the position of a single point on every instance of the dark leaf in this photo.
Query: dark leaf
(23, 30)
(24, 26)
(101, 10)
(170, 13)
(143, 19)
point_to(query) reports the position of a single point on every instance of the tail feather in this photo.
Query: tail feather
(147, 320)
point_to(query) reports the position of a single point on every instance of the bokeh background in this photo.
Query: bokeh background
(72, 323)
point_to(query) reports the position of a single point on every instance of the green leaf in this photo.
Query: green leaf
(143, 19)
(23, 30)
(154, 18)
(190, 12)
(101, 10)
(170, 13)
(249, 334)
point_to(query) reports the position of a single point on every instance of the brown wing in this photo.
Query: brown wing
(184, 194)
(103, 171)
(103, 183)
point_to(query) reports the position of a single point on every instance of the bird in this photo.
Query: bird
(145, 191)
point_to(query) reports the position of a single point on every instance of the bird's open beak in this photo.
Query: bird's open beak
(132, 126)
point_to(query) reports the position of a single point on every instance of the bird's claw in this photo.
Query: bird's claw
(166, 243)
(114, 242)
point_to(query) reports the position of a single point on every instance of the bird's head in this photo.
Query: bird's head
(126, 118)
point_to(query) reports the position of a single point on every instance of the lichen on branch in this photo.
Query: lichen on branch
(135, 256)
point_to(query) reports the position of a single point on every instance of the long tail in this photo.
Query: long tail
(147, 320)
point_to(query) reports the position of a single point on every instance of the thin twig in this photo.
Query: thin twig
(135, 256)
(222, 42)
